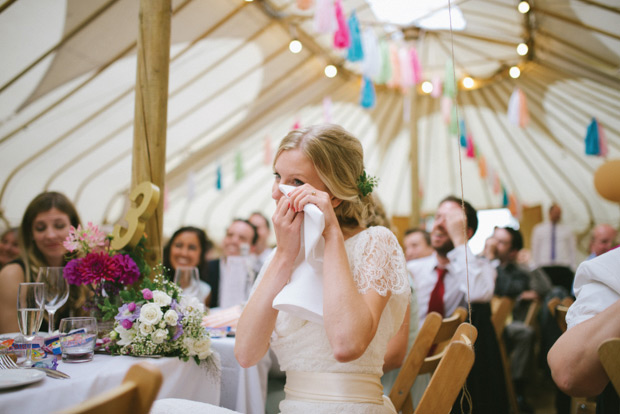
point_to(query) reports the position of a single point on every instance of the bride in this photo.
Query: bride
(334, 366)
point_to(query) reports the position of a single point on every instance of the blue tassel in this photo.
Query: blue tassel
(356, 52)
(592, 139)
(218, 177)
(463, 135)
(504, 197)
(367, 96)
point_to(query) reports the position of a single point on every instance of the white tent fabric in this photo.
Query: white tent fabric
(236, 90)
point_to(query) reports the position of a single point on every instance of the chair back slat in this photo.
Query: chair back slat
(609, 355)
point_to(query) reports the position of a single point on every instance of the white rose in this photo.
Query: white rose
(127, 335)
(202, 347)
(189, 344)
(162, 325)
(161, 298)
(146, 329)
(190, 303)
(171, 317)
(150, 313)
(159, 335)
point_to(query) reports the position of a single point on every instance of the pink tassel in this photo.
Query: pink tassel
(327, 110)
(470, 147)
(304, 4)
(342, 37)
(446, 109)
(497, 186)
(417, 68)
(394, 81)
(524, 117)
(602, 141)
(296, 125)
(324, 17)
(436, 93)
(267, 154)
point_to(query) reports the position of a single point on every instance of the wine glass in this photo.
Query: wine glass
(188, 279)
(56, 291)
(30, 305)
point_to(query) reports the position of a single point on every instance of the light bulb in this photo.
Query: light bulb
(427, 87)
(514, 72)
(468, 82)
(523, 7)
(522, 49)
(331, 71)
(295, 46)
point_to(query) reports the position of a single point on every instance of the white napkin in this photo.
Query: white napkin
(303, 295)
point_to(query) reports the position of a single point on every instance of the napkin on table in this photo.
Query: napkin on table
(303, 295)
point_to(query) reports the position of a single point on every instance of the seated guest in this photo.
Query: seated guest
(188, 247)
(9, 246)
(516, 282)
(232, 275)
(44, 228)
(447, 280)
(553, 243)
(417, 244)
(261, 248)
(593, 318)
(603, 240)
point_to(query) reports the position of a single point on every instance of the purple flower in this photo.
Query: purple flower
(178, 332)
(147, 294)
(72, 273)
(126, 323)
(126, 313)
(128, 269)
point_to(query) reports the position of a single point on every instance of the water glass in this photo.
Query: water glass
(30, 304)
(56, 291)
(78, 337)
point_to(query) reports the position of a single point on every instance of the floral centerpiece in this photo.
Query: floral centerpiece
(158, 320)
(105, 271)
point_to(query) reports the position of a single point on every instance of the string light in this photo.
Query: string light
(427, 87)
(523, 7)
(295, 46)
(331, 71)
(522, 49)
(514, 72)
(468, 82)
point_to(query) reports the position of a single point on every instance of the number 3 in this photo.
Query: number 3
(146, 196)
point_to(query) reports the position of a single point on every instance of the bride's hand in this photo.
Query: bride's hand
(306, 194)
(287, 228)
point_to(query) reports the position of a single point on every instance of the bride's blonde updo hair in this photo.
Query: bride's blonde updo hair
(339, 161)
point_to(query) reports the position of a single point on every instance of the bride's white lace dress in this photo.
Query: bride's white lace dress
(377, 262)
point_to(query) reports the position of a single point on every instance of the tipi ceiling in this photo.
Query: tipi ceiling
(67, 103)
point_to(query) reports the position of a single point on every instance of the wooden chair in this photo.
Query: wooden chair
(609, 354)
(434, 333)
(501, 311)
(451, 373)
(134, 395)
(558, 309)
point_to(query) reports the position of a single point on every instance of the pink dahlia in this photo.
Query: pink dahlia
(128, 272)
(96, 267)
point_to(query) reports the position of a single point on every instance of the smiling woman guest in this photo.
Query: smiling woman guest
(43, 229)
(334, 366)
(9, 246)
(187, 247)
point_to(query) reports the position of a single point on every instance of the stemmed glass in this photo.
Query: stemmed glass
(56, 291)
(30, 304)
(188, 279)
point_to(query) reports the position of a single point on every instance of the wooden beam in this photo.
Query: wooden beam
(151, 111)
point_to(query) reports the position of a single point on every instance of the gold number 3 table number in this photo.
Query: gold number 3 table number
(144, 200)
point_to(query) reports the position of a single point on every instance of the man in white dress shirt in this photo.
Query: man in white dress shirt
(553, 243)
(449, 242)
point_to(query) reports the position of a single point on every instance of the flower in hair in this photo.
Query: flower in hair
(366, 183)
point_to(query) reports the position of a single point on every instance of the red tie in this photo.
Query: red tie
(435, 304)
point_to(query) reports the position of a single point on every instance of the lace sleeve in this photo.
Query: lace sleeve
(378, 262)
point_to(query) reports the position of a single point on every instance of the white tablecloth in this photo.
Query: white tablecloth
(181, 380)
(243, 389)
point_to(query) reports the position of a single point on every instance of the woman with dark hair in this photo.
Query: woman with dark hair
(188, 247)
(44, 227)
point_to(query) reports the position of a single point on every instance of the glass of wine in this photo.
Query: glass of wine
(30, 305)
(56, 291)
(188, 279)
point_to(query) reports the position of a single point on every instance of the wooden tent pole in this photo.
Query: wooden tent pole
(414, 218)
(151, 110)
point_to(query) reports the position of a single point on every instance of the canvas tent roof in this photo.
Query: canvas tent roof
(236, 89)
